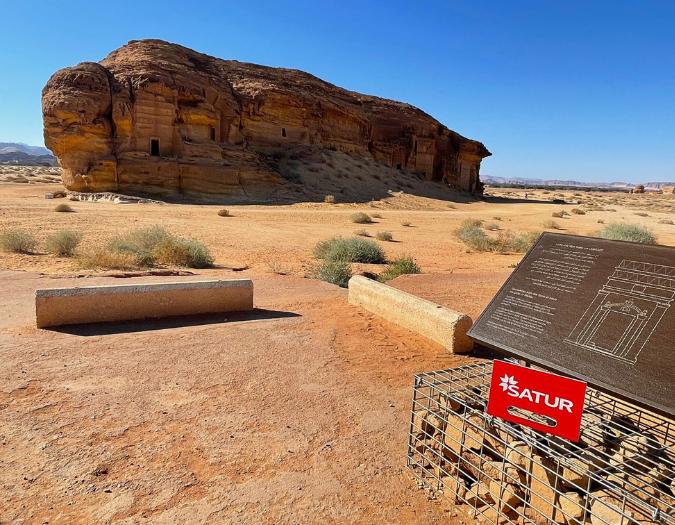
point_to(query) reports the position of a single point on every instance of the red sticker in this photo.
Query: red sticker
(540, 400)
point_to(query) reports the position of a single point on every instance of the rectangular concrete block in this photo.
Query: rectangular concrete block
(96, 304)
(431, 320)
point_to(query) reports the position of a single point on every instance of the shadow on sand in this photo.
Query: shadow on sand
(147, 325)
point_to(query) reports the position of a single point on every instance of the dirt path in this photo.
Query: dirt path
(295, 414)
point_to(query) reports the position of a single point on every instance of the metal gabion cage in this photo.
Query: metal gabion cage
(620, 472)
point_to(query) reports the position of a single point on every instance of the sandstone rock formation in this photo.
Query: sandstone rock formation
(155, 117)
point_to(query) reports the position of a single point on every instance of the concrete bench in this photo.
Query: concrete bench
(433, 321)
(96, 304)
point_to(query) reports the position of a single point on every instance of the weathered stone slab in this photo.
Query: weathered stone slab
(95, 304)
(433, 321)
(601, 311)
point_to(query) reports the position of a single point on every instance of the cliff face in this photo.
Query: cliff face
(155, 117)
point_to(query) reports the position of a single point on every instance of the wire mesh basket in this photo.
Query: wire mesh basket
(620, 472)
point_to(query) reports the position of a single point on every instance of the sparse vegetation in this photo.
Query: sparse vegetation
(353, 249)
(148, 247)
(376, 215)
(475, 238)
(578, 211)
(492, 226)
(63, 243)
(600, 221)
(334, 272)
(665, 221)
(223, 212)
(551, 225)
(558, 214)
(101, 257)
(362, 233)
(17, 241)
(406, 224)
(361, 218)
(329, 199)
(384, 236)
(627, 232)
(64, 208)
(497, 218)
(641, 214)
(401, 266)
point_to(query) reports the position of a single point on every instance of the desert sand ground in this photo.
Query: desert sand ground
(295, 413)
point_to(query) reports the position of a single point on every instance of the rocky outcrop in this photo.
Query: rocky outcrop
(155, 117)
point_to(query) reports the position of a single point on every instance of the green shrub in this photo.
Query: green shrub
(361, 218)
(64, 208)
(401, 266)
(384, 236)
(17, 241)
(354, 249)
(627, 232)
(329, 199)
(577, 211)
(334, 272)
(473, 236)
(63, 243)
(224, 212)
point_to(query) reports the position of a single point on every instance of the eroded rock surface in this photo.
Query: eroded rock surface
(156, 117)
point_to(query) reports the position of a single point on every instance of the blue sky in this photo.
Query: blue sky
(555, 89)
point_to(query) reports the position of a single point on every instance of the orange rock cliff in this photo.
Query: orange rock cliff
(155, 117)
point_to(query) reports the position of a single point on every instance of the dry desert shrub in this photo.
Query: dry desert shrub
(627, 232)
(224, 212)
(329, 199)
(558, 214)
(506, 242)
(361, 218)
(64, 208)
(578, 211)
(665, 221)
(641, 214)
(384, 236)
(497, 218)
(362, 233)
(17, 241)
(401, 266)
(551, 225)
(407, 224)
(101, 257)
(376, 215)
(63, 243)
(491, 226)
(354, 249)
(334, 272)
(148, 247)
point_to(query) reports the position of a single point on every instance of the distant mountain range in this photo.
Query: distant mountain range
(16, 153)
(522, 181)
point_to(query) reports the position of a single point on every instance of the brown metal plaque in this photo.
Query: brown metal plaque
(601, 311)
